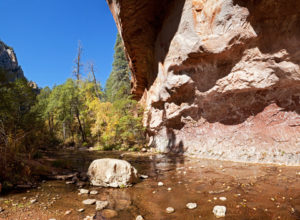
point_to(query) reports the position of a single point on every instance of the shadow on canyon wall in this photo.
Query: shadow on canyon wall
(277, 27)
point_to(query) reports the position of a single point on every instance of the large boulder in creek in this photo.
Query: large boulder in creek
(112, 173)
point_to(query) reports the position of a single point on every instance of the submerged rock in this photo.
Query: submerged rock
(170, 210)
(122, 204)
(112, 173)
(101, 205)
(219, 211)
(109, 213)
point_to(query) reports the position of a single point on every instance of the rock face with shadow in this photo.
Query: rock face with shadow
(9, 63)
(218, 78)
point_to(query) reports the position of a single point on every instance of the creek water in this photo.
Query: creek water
(252, 191)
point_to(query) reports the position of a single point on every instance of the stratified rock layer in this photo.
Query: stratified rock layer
(218, 78)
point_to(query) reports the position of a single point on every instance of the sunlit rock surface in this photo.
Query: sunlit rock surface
(9, 63)
(112, 173)
(218, 79)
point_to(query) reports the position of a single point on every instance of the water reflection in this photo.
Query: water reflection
(251, 191)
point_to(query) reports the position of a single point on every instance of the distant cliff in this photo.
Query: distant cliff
(218, 79)
(9, 63)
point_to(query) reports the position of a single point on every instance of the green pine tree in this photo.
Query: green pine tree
(118, 83)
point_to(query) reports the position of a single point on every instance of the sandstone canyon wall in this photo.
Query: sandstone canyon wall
(218, 78)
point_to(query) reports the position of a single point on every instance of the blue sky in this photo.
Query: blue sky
(45, 35)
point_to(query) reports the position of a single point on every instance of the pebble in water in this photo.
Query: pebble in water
(219, 211)
(80, 210)
(68, 183)
(83, 191)
(144, 176)
(89, 201)
(88, 218)
(169, 189)
(191, 205)
(1, 209)
(160, 183)
(94, 192)
(68, 212)
(139, 217)
(170, 210)
(32, 201)
(223, 199)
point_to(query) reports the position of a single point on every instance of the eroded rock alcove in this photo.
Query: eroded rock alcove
(218, 78)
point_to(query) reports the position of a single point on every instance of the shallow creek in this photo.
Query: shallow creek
(252, 191)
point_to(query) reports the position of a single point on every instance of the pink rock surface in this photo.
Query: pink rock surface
(218, 79)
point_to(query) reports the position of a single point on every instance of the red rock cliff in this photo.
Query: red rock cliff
(218, 78)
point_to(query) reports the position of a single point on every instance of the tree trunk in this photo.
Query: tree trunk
(94, 80)
(80, 125)
(64, 130)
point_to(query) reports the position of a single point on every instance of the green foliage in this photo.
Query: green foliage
(118, 125)
(65, 109)
(118, 83)
(21, 129)
(75, 113)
